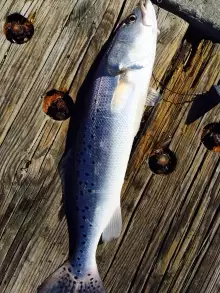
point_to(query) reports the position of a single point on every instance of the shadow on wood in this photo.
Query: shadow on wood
(203, 104)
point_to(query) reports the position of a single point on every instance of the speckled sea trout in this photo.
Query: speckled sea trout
(104, 140)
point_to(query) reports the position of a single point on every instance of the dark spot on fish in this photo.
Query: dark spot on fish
(69, 270)
(78, 271)
(90, 225)
(81, 282)
(81, 251)
(93, 162)
(83, 210)
(92, 136)
(84, 235)
(97, 110)
(75, 277)
(89, 275)
(74, 282)
(86, 208)
(84, 160)
(87, 174)
(84, 217)
(91, 279)
(83, 243)
(93, 118)
(96, 281)
(89, 190)
(89, 146)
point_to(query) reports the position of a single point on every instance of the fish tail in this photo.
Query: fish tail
(67, 279)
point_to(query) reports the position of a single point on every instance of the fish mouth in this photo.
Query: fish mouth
(145, 11)
(144, 6)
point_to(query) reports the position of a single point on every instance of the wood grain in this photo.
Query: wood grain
(170, 237)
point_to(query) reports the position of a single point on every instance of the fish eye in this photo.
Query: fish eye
(131, 18)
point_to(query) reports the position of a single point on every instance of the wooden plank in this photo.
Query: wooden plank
(165, 220)
(179, 205)
(33, 146)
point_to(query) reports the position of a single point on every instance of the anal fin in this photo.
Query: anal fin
(113, 229)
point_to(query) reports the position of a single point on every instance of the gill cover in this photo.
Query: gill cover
(129, 50)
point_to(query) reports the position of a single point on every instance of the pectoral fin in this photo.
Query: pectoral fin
(121, 95)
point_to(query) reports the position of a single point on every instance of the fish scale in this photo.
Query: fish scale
(97, 163)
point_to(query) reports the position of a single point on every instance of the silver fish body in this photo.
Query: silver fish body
(112, 117)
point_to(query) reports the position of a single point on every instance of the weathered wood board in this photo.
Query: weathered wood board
(170, 238)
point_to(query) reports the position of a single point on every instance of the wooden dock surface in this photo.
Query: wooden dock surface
(171, 224)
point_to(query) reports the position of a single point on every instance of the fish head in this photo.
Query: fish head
(134, 44)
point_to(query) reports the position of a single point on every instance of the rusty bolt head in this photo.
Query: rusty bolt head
(162, 161)
(18, 29)
(58, 105)
(211, 137)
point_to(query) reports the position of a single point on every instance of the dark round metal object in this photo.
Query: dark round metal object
(18, 29)
(211, 137)
(58, 105)
(162, 161)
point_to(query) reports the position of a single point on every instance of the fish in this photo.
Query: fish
(115, 104)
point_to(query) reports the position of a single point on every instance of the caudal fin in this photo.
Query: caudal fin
(70, 280)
